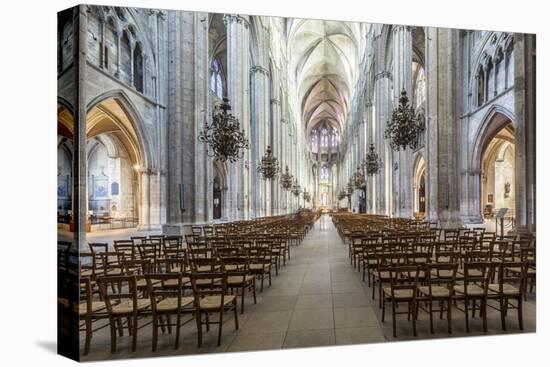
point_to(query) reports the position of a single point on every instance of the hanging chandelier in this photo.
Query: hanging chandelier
(224, 137)
(359, 178)
(342, 194)
(296, 189)
(307, 196)
(372, 162)
(286, 179)
(269, 166)
(404, 128)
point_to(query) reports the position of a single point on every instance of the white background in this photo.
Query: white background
(28, 182)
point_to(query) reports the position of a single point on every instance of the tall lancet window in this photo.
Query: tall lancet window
(324, 137)
(334, 138)
(314, 140)
(216, 81)
(324, 173)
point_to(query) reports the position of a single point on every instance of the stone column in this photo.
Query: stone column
(275, 144)
(187, 170)
(432, 134)
(371, 180)
(238, 86)
(80, 167)
(383, 106)
(448, 175)
(525, 128)
(260, 119)
(402, 77)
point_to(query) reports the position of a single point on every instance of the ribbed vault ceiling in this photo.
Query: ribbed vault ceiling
(324, 59)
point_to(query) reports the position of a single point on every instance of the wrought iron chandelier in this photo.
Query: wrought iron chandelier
(372, 162)
(269, 165)
(286, 179)
(404, 128)
(359, 178)
(307, 196)
(296, 189)
(224, 137)
(342, 194)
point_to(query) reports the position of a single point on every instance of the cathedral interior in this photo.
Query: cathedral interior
(318, 168)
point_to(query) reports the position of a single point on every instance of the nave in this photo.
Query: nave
(317, 299)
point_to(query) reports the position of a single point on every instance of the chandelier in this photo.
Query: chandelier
(342, 194)
(296, 189)
(372, 162)
(307, 196)
(359, 178)
(269, 166)
(404, 128)
(286, 179)
(224, 137)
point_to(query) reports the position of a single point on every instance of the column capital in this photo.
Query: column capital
(239, 19)
(383, 74)
(259, 69)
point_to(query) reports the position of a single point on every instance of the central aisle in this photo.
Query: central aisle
(317, 300)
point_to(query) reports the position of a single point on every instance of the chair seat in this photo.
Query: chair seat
(171, 303)
(530, 271)
(437, 291)
(215, 302)
(174, 282)
(471, 290)
(383, 276)
(114, 272)
(400, 294)
(507, 289)
(96, 306)
(86, 272)
(238, 279)
(471, 273)
(442, 273)
(259, 266)
(127, 306)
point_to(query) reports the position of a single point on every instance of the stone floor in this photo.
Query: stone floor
(317, 299)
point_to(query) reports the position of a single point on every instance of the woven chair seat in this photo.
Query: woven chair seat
(171, 303)
(127, 306)
(96, 306)
(401, 294)
(507, 289)
(215, 302)
(471, 290)
(238, 279)
(437, 291)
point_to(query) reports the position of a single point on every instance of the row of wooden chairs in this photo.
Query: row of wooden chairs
(163, 279)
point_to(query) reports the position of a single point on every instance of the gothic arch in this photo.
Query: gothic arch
(142, 140)
(496, 118)
(419, 175)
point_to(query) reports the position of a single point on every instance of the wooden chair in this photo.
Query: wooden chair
(122, 302)
(440, 282)
(96, 247)
(165, 291)
(239, 277)
(210, 297)
(126, 250)
(475, 287)
(510, 287)
(403, 289)
(89, 311)
(260, 263)
(173, 243)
